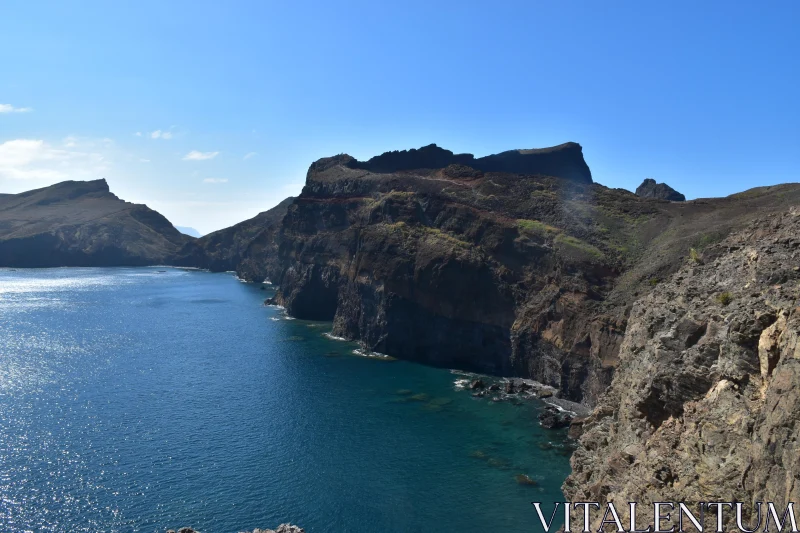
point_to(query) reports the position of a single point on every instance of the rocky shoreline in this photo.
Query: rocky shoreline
(283, 528)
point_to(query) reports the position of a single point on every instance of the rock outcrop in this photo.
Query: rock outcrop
(81, 223)
(705, 402)
(459, 262)
(650, 189)
(562, 161)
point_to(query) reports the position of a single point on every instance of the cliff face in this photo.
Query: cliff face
(81, 223)
(517, 274)
(705, 404)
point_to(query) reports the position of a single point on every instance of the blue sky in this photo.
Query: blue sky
(212, 111)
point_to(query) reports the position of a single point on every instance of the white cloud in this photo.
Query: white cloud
(194, 155)
(8, 108)
(249, 155)
(138, 133)
(36, 159)
(158, 134)
(215, 180)
(144, 160)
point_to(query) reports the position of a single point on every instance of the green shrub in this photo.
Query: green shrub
(695, 257)
(577, 244)
(724, 298)
(534, 226)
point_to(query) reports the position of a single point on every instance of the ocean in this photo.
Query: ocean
(142, 399)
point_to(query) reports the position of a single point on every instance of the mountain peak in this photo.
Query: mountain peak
(562, 161)
(650, 189)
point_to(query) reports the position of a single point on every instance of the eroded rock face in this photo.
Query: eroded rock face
(650, 189)
(705, 402)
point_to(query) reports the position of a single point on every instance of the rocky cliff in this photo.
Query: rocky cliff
(81, 223)
(705, 403)
(518, 269)
(661, 191)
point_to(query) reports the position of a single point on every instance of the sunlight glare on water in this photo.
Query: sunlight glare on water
(136, 400)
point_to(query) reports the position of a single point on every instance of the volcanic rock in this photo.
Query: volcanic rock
(650, 189)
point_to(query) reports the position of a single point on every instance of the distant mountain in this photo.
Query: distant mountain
(244, 247)
(81, 223)
(650, 189)
(191, 232)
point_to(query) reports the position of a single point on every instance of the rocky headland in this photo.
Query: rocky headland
(675, 321)
(516, 265)
(81, 223)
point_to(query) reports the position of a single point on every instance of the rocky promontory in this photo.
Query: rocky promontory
(81, 223)
(525, 269)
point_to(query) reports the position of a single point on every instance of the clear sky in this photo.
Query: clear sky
(212, 111)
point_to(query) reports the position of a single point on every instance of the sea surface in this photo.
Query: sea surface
(136, 400)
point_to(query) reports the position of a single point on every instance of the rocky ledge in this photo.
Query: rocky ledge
(705, 403)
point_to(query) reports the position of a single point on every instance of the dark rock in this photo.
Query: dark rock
(477, 384)
(650, 189)
(510, 387)
(494, 387)
(563, 161)
(553, 418)
(524, 479)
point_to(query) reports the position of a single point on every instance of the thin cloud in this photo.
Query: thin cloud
(215, 180)
(144, 160)
(249, 155)
(8, 108)
(138, 133)
(194, 155)
(158, 134)
(24, 159)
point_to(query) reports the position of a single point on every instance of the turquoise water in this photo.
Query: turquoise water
(137, 400)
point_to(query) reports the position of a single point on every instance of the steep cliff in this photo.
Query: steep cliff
(81, 223)
(478, 268)
(705, 403)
